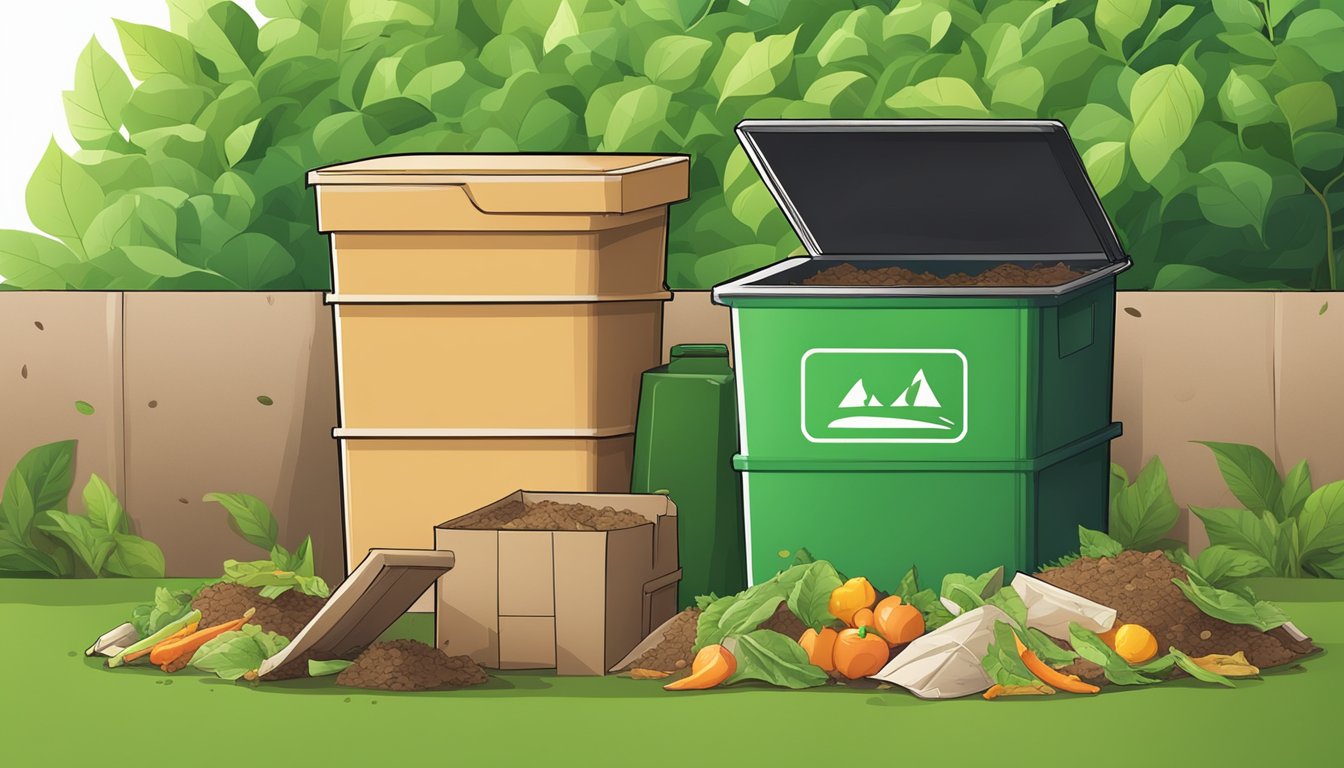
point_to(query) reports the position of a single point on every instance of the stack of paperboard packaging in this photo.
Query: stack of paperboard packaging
(493, 316)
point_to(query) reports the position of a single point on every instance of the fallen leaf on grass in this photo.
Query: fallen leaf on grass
(885, 686)
(1235, 665)
(647, 674)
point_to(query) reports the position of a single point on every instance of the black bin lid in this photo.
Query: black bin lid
(933, 189)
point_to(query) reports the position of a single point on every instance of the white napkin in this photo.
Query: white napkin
(945, 663)
(1050, 609)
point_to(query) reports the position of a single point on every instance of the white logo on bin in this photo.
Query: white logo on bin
(885, 395)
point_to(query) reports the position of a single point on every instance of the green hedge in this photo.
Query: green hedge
(1211, 130)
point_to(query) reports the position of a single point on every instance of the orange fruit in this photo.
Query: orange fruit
(863, 618)
(849, 597)
(820, 647)
(860, 653)
(897, 622)
(1135, 643)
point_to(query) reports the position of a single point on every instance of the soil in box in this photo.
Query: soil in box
(554, 516)
(410, 665)
(1138, 585)
(1004, 275)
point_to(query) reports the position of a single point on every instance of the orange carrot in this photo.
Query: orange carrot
(168, 652)
(183, 632)
(1049, 676)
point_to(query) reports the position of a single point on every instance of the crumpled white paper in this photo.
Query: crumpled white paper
(945, 663)
(1050, 609)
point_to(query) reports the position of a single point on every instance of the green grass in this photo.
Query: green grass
(56, 702)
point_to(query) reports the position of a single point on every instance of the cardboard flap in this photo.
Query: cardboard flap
(379, 591)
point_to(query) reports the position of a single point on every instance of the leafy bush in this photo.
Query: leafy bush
(1285, 529)
(38, 535)
(1211, 130)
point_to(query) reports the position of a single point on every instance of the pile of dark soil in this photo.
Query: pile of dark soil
(1004, 275)
(673, 653)
(285, 615)
(1138, 586)
(554, 516)
(410, 665)
(785, 623)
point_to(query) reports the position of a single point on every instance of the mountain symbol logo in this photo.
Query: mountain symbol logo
(918, 395)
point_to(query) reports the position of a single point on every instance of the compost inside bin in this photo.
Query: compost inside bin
(1003, 275)
(552, 516)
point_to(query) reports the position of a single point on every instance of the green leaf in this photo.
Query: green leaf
(322, 668)
(151, 51)
(826, 89)
(1164, 103)
(1098, 122)
(760, 68)
(1117, 19)
(168, 606)
(1321, 524)
(970, 592)
(1097, 544)
(1237, 196)
(1010, 602)
(158, 262)
(565, 26)
(234, 654)
(1119, 480)
(1045, 648)
(312, 585)
(302, 558)
(909, 584)
(1143, 513)
(810, 598)
(707, 629)
(1229, 606)
(1221, 564)
(102, 90)
(1320, 33)
(1022, 87)
(47, 474)
(1296, 489)
(84, 408)
(1105, 163)
(135, 557)
(773, 658)
(939, 96)
(252, 261)
(1237, 528)
(1002, 663)
(1170, 19)
(674, 61)
(104, 510)
(251, 518)
(62, 198)
(1307, 105)
(635, 119)
(1238, 13)
(1117, 670)
(1198, 672)
(433, 80)
(31, 262)
(1244, 100)
(17, 555)
(1250, 474)
(927, 603)
(239, 142)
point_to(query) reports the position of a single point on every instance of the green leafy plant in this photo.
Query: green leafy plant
(1209, 129)
(234, 654)
(284, 570)
(1285, 528)
(38, 534)
(1142, 513)
(168, 606)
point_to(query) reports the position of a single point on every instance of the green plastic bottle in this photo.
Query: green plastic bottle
(684, 445)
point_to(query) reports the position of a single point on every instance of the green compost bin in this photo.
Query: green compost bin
(684, 444)
(953, 427)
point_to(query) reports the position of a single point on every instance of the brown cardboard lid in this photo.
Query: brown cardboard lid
(374, 596)
(524, 183)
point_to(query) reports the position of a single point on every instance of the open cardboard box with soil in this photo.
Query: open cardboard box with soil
(557, 580)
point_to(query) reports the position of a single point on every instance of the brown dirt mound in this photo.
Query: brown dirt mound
(847, 274)
(554, 516)
(673, 653)
(1138, 586)
(285, 615)
(410, 665)
(785, 623)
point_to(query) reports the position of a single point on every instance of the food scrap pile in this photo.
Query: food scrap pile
(1004, 275)
(1116, 620)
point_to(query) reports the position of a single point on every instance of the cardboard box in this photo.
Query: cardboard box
(575, 601)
